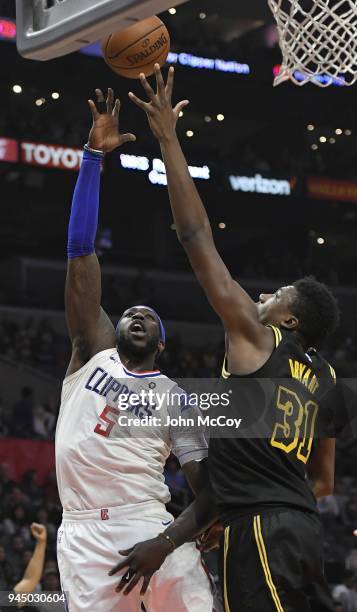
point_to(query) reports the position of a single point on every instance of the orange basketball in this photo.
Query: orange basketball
(137, 48)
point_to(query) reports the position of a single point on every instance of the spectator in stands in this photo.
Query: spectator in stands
(351, 561)
(51, 581)
(342, 593)
(17, 523)
(43, 422)
(6, 570)
(22, 423)
(34, 569)
(29, 485)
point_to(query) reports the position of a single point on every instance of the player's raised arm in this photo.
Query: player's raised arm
(89, 327)
(233, 305)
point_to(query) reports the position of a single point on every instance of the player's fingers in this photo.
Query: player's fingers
(147, 87)
(134, 581)
(127, 138)
(145, 584)
(126, 578)
(101, 103)
(119, 566)
(126, 552)
(179, 106)
(110, 98)
(99, 94)
(140, 103)
(93, 109)
(159, 82)
(116, 108)
(170, 83)
(355, 533)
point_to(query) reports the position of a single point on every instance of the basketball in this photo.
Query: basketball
(137, 48)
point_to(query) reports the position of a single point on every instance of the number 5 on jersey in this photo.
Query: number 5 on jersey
(295, 418)
(105, 431)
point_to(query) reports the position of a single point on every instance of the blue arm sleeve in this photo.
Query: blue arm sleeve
(83, 221)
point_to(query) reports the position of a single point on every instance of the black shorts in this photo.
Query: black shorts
(274, 562)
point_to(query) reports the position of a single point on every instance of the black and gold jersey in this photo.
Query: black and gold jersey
(283, 407)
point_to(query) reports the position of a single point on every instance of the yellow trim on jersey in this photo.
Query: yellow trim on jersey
(225, 373)
(264, 561)
(333, 373)
(277, 334)
(225, 592)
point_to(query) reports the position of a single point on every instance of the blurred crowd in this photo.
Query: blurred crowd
(22, 503)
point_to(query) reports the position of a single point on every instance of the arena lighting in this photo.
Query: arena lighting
(55, 95)
(17, 89)
(320, 240)
(220, 117)
(338, 131)
(314, 147)
(208, 119)
(7, 29)
(222, 225)
(310, 127)
(40, 101)
(202, 15)
(172, 11)
(189, 133)
(348, 132)
(332, 140)
(181, 114)
(323, 139)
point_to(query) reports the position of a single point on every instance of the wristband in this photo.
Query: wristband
(168, 539)
(94, 151)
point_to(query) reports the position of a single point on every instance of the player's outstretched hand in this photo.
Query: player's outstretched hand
(142, 561)
(160, 113)
(39, 532)
(104, 135)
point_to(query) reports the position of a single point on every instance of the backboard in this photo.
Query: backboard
(51, 28)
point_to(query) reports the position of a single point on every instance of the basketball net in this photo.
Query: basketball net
(318, 40)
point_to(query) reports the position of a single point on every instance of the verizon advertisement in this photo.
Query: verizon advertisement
(50, 156)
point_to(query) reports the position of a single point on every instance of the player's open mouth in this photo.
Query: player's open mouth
(137, 329)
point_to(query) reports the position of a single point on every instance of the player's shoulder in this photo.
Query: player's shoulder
(107, 355)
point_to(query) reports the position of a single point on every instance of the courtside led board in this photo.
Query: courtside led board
(51, 28)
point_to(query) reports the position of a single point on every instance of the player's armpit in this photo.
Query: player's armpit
(89, 327)
(321, 467)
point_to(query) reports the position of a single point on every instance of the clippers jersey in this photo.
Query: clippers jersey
(101, 461)
(295, 391)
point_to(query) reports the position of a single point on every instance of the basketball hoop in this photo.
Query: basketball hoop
(318, 40)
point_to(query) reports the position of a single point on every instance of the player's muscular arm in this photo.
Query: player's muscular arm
(89, 327)
(321, 468)
(230, 301)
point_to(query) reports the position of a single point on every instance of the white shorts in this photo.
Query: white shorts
(87, 548)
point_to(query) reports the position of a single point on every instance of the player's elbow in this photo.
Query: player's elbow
(193, 234)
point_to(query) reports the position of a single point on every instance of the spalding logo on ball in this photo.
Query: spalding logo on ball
(137, 48)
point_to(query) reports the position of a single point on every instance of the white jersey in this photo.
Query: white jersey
(103, 459)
